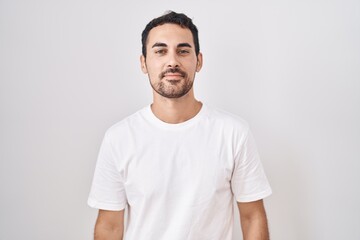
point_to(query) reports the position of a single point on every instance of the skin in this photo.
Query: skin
(170, 47)
(253, 220)
(109, 225)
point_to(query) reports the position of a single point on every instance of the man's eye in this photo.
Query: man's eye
(160, 51)
(183, 51)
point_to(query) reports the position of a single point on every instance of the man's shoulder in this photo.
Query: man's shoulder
(227, 118)
(133, 119)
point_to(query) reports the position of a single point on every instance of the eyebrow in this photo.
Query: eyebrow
(159, 44)
(184, 45)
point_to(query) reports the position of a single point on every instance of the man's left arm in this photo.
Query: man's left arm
(253, 220)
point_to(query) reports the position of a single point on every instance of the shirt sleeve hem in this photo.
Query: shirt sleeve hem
(254, 197)
(106, 206)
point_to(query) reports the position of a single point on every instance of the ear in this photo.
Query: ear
(143, 64)
(199, 62)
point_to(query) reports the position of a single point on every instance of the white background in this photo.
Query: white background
(70, 69)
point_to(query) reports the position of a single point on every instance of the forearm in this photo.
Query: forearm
(103, 232)
(255, 228)
(109, 225)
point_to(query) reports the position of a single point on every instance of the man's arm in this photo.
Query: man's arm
(253, 220)
(109, 225)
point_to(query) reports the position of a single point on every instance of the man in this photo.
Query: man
(177, 164)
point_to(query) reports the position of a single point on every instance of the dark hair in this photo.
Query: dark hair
(171, 17)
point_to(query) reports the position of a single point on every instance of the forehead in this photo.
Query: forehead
(170, 34)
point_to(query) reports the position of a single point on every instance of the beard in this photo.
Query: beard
(172, 88)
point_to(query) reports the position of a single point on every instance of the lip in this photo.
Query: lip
(173, 75)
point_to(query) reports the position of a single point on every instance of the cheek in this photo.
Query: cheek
(192, 67)
(154, 67)
(154, 72)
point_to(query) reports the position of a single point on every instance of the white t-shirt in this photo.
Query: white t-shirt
(178, 180)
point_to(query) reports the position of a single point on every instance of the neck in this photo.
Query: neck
(175, 110)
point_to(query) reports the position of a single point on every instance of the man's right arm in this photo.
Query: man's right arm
(109, 225)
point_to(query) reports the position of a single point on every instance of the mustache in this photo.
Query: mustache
(173, 70)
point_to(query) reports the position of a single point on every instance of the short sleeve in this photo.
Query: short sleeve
(249, 182)
(107, 190)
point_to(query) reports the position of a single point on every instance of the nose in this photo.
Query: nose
(173, 60)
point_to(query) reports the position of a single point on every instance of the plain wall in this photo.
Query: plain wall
(70, 69)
